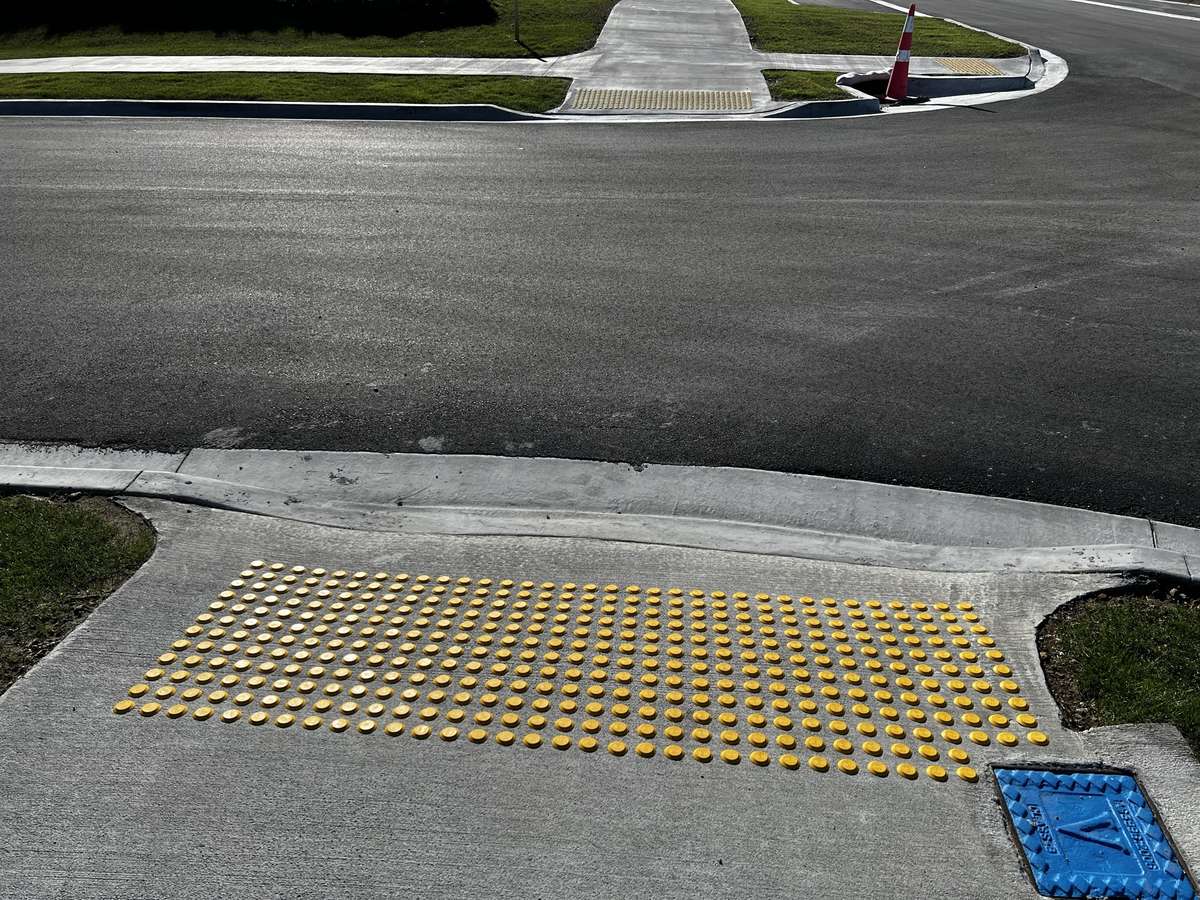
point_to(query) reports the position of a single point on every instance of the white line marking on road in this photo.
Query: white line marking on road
(1148, 12)
(903, 9)
(1145, 12)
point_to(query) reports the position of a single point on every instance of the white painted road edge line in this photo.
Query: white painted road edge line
(1148, 12)
(1133, 9)
(903, 9)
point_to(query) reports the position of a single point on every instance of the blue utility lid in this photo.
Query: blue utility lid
(1091, 834)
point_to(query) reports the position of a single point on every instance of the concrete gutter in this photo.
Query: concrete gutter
(741, 510)
(260, 109)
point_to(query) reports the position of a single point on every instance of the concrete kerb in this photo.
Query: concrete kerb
(949, 91)
(259, 109)
(858, 104)
(396, 112)
(959, 85)
(740, 510)
(1044, 72)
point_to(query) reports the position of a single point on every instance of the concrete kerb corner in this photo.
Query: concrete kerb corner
(739, 510)
(1046, 70)
(947, 90)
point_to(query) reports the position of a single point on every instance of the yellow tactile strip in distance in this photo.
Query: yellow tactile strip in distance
(638, 99)
(970, 66)
(856, 686)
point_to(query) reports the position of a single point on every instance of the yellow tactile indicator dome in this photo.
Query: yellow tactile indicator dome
(818, 684)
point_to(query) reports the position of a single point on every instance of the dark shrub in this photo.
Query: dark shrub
(353, 17)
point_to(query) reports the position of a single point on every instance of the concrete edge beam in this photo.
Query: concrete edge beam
(741, 510)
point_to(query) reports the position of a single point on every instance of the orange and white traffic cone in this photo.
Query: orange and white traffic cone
(897, 86)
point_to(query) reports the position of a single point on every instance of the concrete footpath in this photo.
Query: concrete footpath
(576, 65)
(673, 45)
(365, 675)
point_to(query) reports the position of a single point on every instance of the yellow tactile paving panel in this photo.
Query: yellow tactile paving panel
(885, 687)
(970, 66)
(643, 100)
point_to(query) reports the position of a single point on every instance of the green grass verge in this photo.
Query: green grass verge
(788, 85)
(777, 25)
(515, 92)
(548, 27)
(1128, 658)
(57, 561)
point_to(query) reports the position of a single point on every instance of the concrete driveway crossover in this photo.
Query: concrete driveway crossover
(278, 709)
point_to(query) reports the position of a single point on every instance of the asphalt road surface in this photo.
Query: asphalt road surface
(1000, 300)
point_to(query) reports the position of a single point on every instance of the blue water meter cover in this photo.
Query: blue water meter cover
(1091, 834)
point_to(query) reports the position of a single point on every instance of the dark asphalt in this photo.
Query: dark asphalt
(1000, 300)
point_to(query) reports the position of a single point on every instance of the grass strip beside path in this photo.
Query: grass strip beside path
(548, 28)
(515, 92)
(779, 26)
(1113, 658)
(58, 560)
(789, 85)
